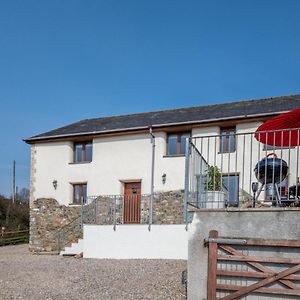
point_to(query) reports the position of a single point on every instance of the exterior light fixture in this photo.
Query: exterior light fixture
(54, 182)
(164, 178)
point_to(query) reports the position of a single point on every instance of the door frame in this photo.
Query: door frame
(135, 206)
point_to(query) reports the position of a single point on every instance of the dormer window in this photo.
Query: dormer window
(83, 152)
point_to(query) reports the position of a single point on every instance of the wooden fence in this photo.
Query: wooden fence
(13, 237)
(242, 267)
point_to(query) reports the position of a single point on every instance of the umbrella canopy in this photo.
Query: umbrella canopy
(281, 131)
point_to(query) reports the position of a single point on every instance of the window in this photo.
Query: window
(231, 184)
(177, 143)
(83, 152)
(227, 140)
(79, 192)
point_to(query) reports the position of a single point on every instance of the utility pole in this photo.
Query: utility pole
(17, 194)
(14, 182)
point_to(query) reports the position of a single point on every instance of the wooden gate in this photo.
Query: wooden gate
(132, 202)
(244, 267)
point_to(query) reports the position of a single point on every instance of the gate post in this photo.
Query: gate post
(212, 267)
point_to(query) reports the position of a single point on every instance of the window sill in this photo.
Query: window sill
(226, 152)
(80, 163)
(174, 155)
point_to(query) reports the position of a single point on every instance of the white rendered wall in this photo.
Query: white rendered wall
(51, 163)
(115, 160)
(135, 242)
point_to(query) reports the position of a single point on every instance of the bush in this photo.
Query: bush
(13, 216)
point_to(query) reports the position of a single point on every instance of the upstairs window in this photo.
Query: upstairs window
(83, 152)
(79, 193)
(177, 143)
(227, 140)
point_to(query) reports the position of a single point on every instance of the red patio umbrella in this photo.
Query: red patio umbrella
(281, 131)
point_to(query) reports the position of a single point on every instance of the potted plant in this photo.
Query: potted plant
(214, 194)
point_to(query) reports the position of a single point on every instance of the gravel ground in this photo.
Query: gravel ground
(27, 276)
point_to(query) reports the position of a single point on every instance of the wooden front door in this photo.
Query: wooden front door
(132, 202)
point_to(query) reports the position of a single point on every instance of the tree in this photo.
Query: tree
(23, 195)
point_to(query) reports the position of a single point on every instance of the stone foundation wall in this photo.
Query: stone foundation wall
(52, 226)
(167, 208)
(47, 218)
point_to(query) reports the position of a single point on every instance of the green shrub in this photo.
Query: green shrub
(213, 179)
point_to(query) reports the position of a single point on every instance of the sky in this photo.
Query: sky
(63, 61)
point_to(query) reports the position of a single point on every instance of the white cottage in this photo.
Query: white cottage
(144, 154)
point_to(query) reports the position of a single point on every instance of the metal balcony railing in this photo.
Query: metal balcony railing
(133, 209)
(235, 170)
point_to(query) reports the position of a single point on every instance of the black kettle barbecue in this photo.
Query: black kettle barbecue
(270, 171)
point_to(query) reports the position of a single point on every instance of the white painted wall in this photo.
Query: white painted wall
(52, 161)
(115, 159)
(135, 242)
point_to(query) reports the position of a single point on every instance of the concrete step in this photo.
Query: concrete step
(74, 249)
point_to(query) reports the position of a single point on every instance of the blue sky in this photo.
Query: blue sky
(62, 61)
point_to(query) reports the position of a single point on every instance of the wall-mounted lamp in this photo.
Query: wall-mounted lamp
(164, 178)
(54, 182)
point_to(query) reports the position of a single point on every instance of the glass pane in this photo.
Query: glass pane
(223, 142)
(76, 199)
(172, 144)
(183, 142)
(88, 152)
(78, 152)
(232, 185)
(231, 141)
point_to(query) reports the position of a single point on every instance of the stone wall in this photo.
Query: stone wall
(167, 209)
(47, 218)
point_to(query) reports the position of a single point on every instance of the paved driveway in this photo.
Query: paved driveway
(31, 277)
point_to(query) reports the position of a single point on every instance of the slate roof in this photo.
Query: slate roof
(190, 115)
